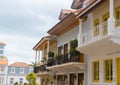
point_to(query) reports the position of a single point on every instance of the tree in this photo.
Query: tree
(16, 83)
(31, 78)
(33, 64)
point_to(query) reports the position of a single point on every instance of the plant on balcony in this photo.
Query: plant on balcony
(73, 45)
(44, 59)
(73, 51)
(50, 54)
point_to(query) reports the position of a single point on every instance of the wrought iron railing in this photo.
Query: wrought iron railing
(41, 68)
(62, 59)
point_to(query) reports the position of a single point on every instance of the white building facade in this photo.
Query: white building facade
(100, 40)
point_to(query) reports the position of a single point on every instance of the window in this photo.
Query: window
(21, 70)
(2, 68)
(95, 68)
(117, 16)
(1, 46)
(21, 81)
(1, 80)
(65, 48)
(60, 50)
(105, 24)
(1, 51)
(11, 80)
(12, 70)
(96, 27)
(108, 70)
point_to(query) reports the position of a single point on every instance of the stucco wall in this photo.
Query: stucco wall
(66, 37)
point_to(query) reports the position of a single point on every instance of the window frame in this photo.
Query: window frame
(117, 9)
(105, 18)
(96, 24)
(95, 71)
(12, 80)
(12, 70)
(110, 70)
(22, 72)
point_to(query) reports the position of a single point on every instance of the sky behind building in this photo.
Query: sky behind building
(24, 22)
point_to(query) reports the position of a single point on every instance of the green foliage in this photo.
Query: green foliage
(16, 83)
(31, 78)
(34, 64)
(44, 59)
(50, 54)
(73, 45)
(25, 83)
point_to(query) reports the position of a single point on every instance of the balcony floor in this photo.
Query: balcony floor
(103, 46)
(67, 67)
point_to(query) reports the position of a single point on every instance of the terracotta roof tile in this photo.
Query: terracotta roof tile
(19, 64)
(65, 12)
(2, 43)
(3, 62)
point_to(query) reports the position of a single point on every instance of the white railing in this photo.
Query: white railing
(93, 35)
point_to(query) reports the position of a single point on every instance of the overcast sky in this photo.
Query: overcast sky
(24, 22)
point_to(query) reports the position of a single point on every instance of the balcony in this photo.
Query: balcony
(94, 35)
(100, 40)
(39, 69)
(65, 63)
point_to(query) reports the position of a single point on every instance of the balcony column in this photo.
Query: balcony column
(48, 47)
(80, 32)
(42, 52)
(111, 17)
(36, 56)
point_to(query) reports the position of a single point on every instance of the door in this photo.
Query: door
(80, 78)
(60, 80)
(118, 71)
(72, 76)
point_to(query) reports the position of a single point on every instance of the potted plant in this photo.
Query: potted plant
(73, 51)
(50, 54)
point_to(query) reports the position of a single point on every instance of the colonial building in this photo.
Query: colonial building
(2, 45)
(17, 72)
(3, 70)
(3, 65)
(100, 40)
(62, 63)
(95, 25)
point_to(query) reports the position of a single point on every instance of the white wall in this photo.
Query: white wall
(16, 79)
(66, 37)
(4, 74)
(101, 69)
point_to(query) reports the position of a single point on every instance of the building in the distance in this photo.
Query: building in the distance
(3, 70)
(2, 45)
(3, 65)
(17, 72)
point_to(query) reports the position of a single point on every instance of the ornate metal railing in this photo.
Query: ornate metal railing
(62, 59)
(41, 68)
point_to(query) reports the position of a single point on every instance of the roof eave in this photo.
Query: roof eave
(89, 7)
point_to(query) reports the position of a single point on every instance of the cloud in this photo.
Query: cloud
(24, 22)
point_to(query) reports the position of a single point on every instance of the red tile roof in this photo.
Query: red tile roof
(65, 12)
(3, 62)
(2, 43)
(19, 64)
